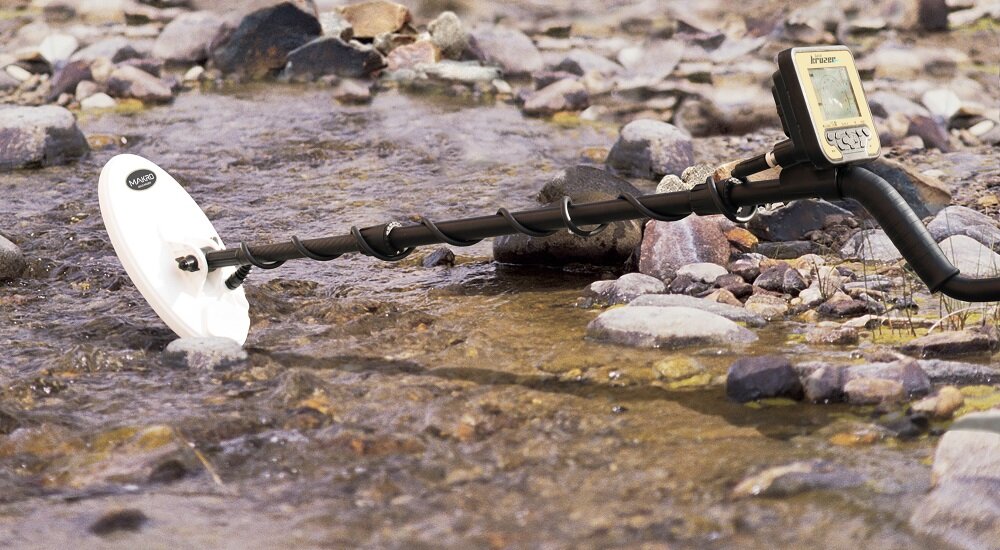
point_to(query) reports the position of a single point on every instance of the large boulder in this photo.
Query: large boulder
(651, 149)
(509, 49)
(976, 340)
(189, 37)
(959, 220)
(667, 246)
(32, 137)
(330, 55)
(666, 327)
(260, 44)
(613, 246)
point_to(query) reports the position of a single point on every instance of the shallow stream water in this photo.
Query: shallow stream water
(385, 405)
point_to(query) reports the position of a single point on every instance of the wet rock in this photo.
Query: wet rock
(666, 327)
(752, 378)
(626, 288)
(772, 278)
(684, 284)
(735, 284)
(205, 353)
(12, 262)
(66, 79)
(724, 296)
(835, 336)
(959, 220)
(260, 44)
(189, 37)
(98, 101)
(842, 305)
(740, 238)
(964, 509)
(116, 50)
(372, 18)
(796, 478)
(873, 391)
(509, 49)
(666, 246)
(703, 272)
(439, 257)
(767, 306)
(32, 137)
(793, 282)
(747, 267)
(907, 372)
(942, 404)
(581, 62)
(976, 340)
(563, 95)
(613, 246)
(332, 56)
(871, 245)
(971, 257)
(334, 24)
(409, 56)
(731, 312)
(57, 48)
(795, 220)
(955, 372)
(448, 33)
(825, 384)
(130, 519)
(128, 81)
(651, 149)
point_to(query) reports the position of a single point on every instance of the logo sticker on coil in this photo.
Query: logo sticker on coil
(140, 179)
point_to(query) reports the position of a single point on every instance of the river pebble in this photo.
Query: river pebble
(563, 95)
(205, 353)
(905, 371)
(57, 48)
(448, 33)
(971, 257)
(955, 372)
(961, 220)
(39, 136)
(651, 149)
(873, 391)
(752, 378)
(666, 327)
(626, 288)
(115, 49)
(97, 101)
(767, 306)
(825, 384)
(942, 404)
(375, 17)
(703, 272)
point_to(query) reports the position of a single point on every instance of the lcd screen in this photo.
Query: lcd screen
(834, 93)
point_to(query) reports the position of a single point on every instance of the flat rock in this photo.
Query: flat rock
(907, 372)
(626, 288)
(585, 183)
(651, 149)
(260, 44)
(795, 220)
(189, 37)
(955, 372)
(959, 220)
(667, 246)
(32, 137)
(796, 478)
(509, 49)
(57, 48)
(971, 257)
(825, 384)
(97, 101)
(666, 327)
(116, 50)
(330, 55)
(752, 378)
(563, 95)
(12, 262)
(733, 313)
(370, 19)
(704, 272)
(834, 336)
(767, 306)
(128, 81)
(581, 62)
(409, 56)
(208, 353)
(925, 194)
(873, 391)
(871, 245)
(976, 340)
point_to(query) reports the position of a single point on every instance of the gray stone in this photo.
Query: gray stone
(841, 305)
(971, 257)
(672, 184)
(205, 353)
(733, 313)
(793, 282)
(955, 372)
(330, 55)
(752, 378)
(873, 391)
(883, 104)
(772, 278)
(960, 220)
(57, 48)
(767, 306)
(189, 37)
(114, 49)
(66, 79)
(795, 220)
(666, 327)
(931, 132)
(459, 71)
(585, 183)
(746, 266)
(654, 61)
(260, 44)
(796, 478)
(32, 137)
(969, 449)
(666, 246)
(509, 49)
(786, 250)
(976, 340)
(835, 336)
(871, 245)
(735, 284)
(703, 272)
(12, 262)
(626, 288)
(581, 62)
(923, 193)
(97, 101)
(825, 384)
(563, 95)
(127, 81)
(334, 24)
(651, 149)
(439, 257)
(907, 372)
(448, 33)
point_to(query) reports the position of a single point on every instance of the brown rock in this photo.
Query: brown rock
(666, 246)
(370, 19)
(942, 404)
(742, 239)
(411, 55)
(872, 391)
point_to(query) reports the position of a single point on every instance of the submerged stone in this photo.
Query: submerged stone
(760, 377)
(32, 137)
(12, 262)
(666, 327)
(731, 312)
(206, 353)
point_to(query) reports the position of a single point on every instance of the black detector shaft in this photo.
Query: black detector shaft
(393, 241)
